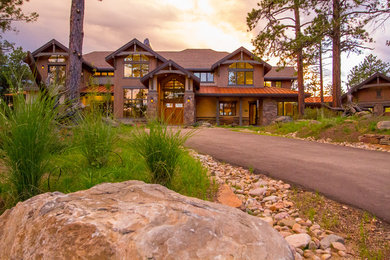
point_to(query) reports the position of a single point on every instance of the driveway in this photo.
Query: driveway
(349, 175)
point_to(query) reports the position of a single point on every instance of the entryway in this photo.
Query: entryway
(173, 102)
(253, 113)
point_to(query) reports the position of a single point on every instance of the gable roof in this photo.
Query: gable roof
(97, 59)
(134, 41)
(48, 44)
(368, 80)
(194, 59)
(170, 64)
(276, 73)
(267, 67)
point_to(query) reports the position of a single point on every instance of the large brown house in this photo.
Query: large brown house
(181, 87)
(373, 93)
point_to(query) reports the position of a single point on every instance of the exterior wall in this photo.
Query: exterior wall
(367, 97)
(120, 82)
(287, 84)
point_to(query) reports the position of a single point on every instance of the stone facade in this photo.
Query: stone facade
(270, 111)
(152, 110)
(189, 108)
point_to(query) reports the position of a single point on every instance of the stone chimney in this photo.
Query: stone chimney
(147, 43)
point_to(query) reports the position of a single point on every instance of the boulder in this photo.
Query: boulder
(227, 197)
(329, 239)
(364, 114)
(370, 138)
(134, 220)
(282, 119)
(299, 240)
(383, 125)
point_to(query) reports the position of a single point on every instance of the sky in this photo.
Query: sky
(169, 25)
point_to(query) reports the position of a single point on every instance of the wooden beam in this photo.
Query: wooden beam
(51, 53)
(170, 72)
(125, 53)
(375, 85)
(247, 61)
(240, 112)
(217, 112)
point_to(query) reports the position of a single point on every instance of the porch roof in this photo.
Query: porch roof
(327, 99)
(247, 91)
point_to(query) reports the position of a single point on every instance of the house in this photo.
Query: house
(181, 87)
(373, 93)
(315, 102)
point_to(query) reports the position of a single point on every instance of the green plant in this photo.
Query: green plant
(160, 147)
(95, 138)
(28, 139)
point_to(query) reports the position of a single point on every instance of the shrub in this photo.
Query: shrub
(28, 138)
(160, 147)
(94, 137)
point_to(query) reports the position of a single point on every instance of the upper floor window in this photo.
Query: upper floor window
(57, 59)
(103, 74)
(278, 84)
(267, 83)
(136, 66)
(57, 74)
(378, 93)
(241, 73)
(205, 76)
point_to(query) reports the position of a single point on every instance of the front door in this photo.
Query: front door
(173, 102)
(253, 113)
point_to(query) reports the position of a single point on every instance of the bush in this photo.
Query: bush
(95, 138)
(28, 138)
(160, 147)
(320, 113)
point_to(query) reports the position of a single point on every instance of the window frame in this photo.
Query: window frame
(56, 78)
(135, 101)
(233, 107)
(236, 69)
(131, 63)
(207, 74)
(294, 108)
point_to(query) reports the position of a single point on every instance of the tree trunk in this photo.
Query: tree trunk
(336, 51)
(321, 76)
(73, 80)
(301, 89)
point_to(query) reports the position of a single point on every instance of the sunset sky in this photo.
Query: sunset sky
(169, 25)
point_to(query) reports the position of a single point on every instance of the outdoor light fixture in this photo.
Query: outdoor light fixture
(151, 100)
(188, 100)
(43, 66)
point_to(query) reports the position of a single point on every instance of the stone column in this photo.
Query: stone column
(152, 110)
(270, 111)
(189, 108)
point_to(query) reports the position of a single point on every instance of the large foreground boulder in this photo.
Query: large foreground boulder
(134, 220)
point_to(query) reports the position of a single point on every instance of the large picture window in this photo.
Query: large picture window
(136, 66)
(135, 102)
(205, 76)
(241, 73)
(227, 108)
(57, 74)
(287, 108)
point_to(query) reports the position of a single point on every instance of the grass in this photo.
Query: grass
(28, 138)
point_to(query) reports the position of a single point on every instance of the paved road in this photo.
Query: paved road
(353, 176)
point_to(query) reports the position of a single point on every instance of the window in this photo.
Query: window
(387, 109)
(56, 74)
(135, 102)
(267, 83)
(278, 84)
(227, 108)
(173, 90)
(57, 59)
(205, 76)
(103, 74)
(287, 108)
(241, 73)
(378, 93)
(136, 66)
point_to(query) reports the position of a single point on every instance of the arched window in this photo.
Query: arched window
(240, 73)
(136, 66)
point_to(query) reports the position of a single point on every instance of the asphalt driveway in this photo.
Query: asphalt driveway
(349, 175)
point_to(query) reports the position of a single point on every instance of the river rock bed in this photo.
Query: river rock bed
(269, 200)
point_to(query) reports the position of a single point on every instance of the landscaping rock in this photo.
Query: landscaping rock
(227, 197)
(364, 114)
(370, 138)
(204, 124)
(327, 241)
(338, 246)
(282, 119)
(258, 192)
(383, 125)
(298, 240)
(134, 220)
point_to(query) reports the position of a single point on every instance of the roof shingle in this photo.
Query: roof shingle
(211, 90)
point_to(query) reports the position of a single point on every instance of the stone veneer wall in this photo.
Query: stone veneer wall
(152, 110)
(189, 108)
(270, 111)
